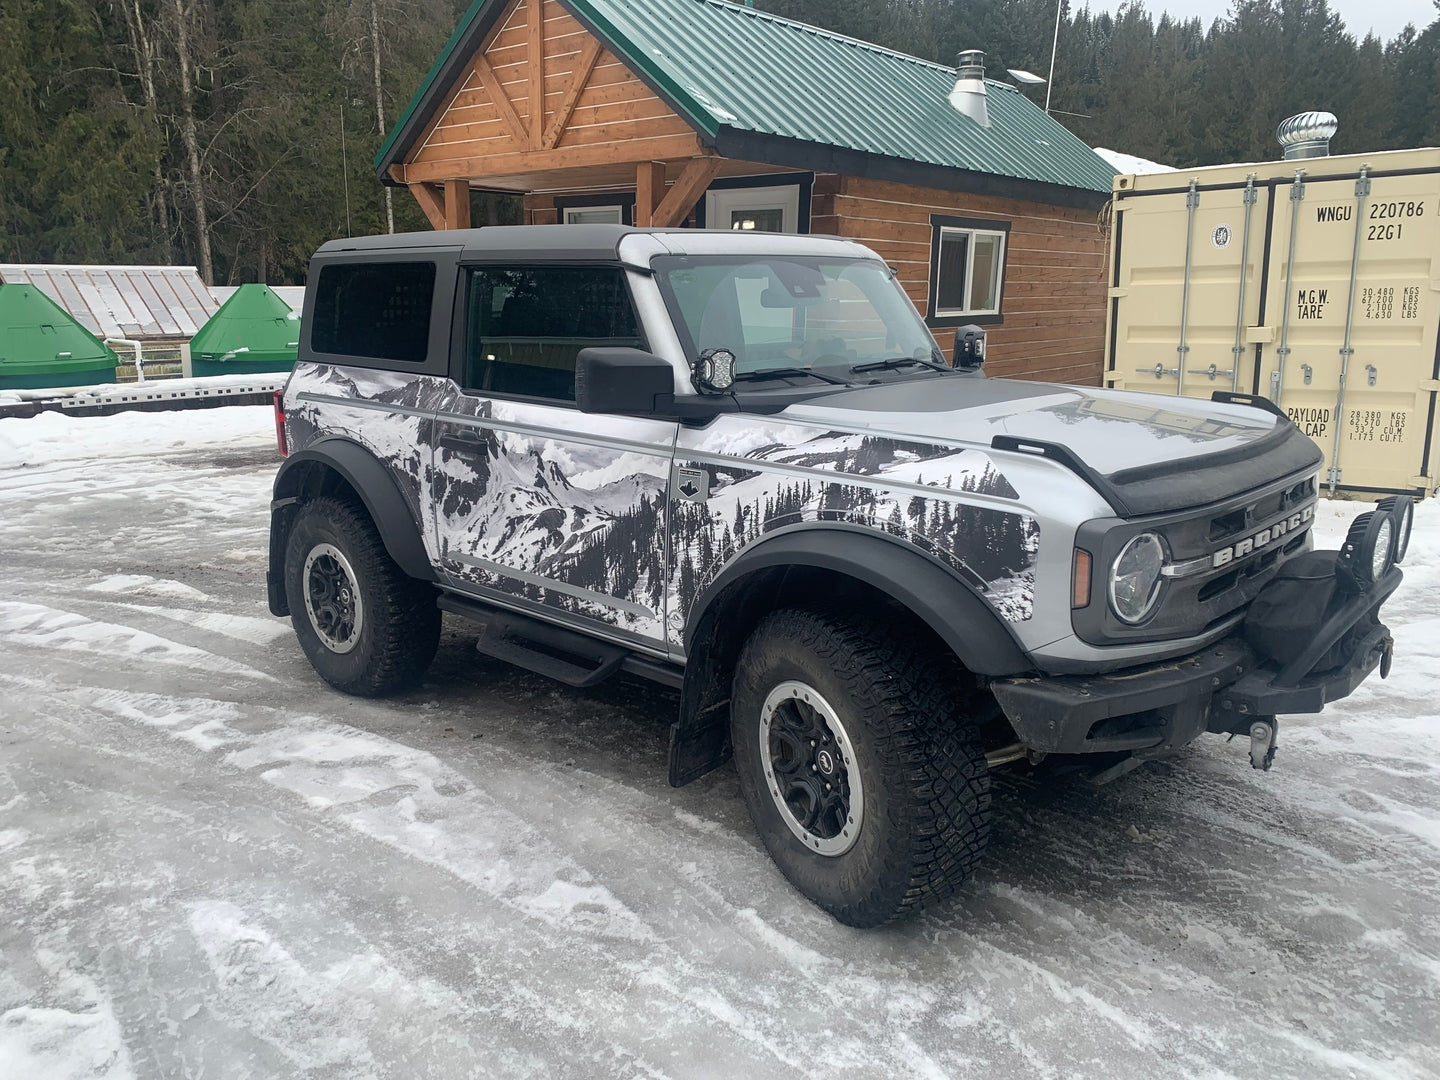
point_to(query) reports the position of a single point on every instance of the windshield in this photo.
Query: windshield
(792, 311)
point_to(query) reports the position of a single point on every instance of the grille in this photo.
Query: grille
(1200, 596)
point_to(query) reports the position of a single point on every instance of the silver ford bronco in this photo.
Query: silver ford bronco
(739, 465)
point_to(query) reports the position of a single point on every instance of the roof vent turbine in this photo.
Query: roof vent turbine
(968, 97)
(1307, 135)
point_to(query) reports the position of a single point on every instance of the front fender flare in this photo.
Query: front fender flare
(935, 594)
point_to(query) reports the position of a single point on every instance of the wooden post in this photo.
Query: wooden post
(649, 190)
(457, 204)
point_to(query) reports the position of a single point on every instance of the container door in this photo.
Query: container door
(1359, 393)
(1185, 333)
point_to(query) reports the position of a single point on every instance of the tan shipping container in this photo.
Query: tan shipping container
(1314, 282)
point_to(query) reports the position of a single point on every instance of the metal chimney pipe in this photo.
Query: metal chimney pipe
(969, 97)
(1307, 135)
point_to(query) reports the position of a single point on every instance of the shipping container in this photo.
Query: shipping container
(1313, 281)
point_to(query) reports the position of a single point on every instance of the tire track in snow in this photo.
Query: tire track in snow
(39, 627)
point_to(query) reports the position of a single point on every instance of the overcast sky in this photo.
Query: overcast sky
(1385, 17)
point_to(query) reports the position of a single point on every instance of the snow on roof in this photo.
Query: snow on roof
(294, 295)
(1129, 163)
(144, 303)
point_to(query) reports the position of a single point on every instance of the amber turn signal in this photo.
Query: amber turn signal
(1080, 582)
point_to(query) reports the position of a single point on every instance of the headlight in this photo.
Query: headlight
(1135, 578)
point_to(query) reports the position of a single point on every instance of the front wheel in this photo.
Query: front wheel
(866, 784)
(366, 627)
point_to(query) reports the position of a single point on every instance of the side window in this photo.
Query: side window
(528, 324)
(374, 309)
(967, 268)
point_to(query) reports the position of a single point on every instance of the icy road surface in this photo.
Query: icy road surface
(213, 865)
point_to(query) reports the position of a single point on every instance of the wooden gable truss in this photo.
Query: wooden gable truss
(544, 103)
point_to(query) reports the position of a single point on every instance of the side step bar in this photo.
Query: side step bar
(564, 655)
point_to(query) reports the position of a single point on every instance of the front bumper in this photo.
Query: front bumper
(1223, 688)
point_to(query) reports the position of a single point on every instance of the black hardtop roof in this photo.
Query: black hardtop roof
(530, 242)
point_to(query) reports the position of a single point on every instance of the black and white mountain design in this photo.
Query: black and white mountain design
(516, 508)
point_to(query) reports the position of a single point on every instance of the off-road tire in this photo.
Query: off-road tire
(399, 630)
(926, 787)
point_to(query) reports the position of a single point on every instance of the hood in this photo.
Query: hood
(1149, 454)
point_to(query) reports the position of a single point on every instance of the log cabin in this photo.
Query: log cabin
(710, 114)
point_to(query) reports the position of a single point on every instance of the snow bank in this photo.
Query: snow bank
(53, 436)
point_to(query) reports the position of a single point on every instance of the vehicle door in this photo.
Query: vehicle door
(537, 505)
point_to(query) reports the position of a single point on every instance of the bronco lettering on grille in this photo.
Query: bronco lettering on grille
(1264, 538)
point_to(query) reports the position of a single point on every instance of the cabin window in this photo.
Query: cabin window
(602, 208)
(754, 209)
(967, 270)
(595, 215)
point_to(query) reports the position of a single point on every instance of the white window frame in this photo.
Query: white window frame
(617, 207)
(720, 203)
(969, 286)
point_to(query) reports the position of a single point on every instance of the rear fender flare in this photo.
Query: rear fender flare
(376, 486)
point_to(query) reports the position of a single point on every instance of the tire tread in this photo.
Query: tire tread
(401, 610)
(904, 691)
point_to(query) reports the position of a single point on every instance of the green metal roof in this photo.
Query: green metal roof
(38, 335)
(764, 88)
(253, 325)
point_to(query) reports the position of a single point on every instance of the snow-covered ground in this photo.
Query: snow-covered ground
(212, 865)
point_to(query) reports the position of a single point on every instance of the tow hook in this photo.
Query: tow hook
(1262, 743)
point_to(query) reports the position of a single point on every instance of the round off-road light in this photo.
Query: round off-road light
(1369, 548)
(1402, 509)
(1135, 578)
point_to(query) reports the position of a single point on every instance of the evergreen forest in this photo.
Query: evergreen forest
(237, 135)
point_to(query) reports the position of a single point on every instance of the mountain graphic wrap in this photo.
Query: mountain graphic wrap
(597, 531)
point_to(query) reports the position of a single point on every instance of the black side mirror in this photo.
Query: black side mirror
(969, 347)
(623, 381)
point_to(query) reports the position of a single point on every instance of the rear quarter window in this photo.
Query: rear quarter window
(380, 310)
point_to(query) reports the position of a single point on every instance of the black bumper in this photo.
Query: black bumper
(1222, 688)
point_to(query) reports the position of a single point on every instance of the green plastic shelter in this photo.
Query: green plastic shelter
(42, 346)
(253, 331)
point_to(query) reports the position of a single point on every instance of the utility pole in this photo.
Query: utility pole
(1054, 46)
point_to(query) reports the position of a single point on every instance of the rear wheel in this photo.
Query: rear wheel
(366, 627)
(866, 784)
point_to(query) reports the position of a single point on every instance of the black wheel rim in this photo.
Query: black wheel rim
(810, 769)
(332, 599)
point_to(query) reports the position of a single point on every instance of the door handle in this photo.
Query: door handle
(464, 444)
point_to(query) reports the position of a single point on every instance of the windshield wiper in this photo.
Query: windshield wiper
(902, 361)
(791, 372)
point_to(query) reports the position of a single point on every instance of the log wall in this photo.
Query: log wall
(1054, 294)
